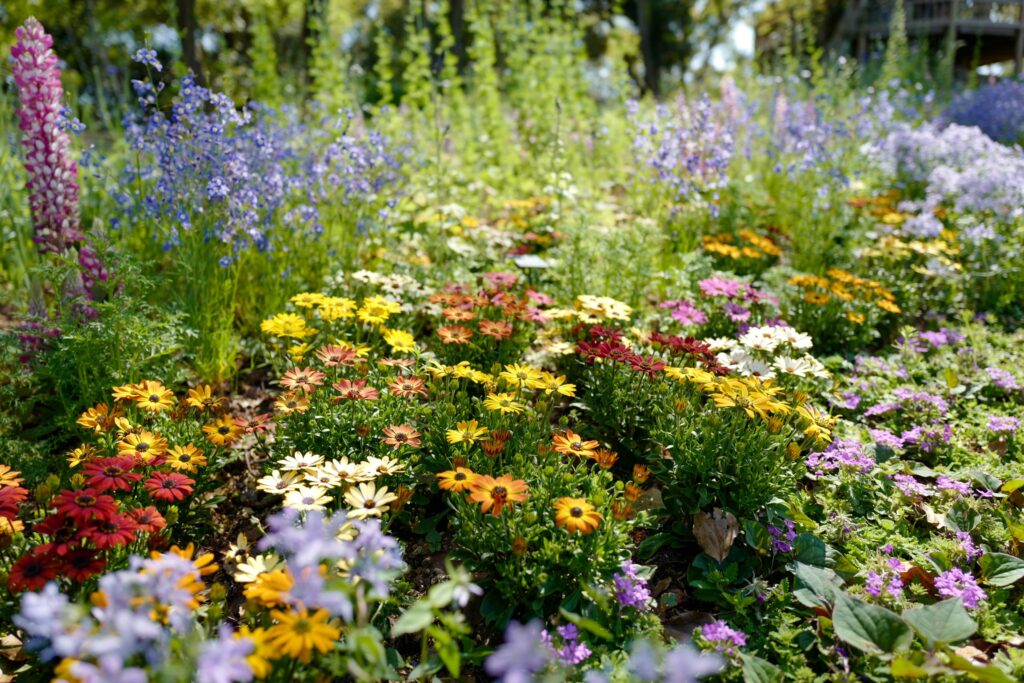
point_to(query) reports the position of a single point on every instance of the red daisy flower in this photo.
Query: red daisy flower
(81, 564)
(62, 530)
(111, 474)
(33, 570)
(85, 504)
(110, 533)
(10, 498)
(148, 520)
(169, 487)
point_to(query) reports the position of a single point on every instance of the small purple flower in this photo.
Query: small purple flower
(147, 56)
(523, 654)
(910, 487)
(1003, 379)
(572, 652)
(782, 540)
(956, 583)
(685, 313)
(630, 589)
(723, 637)
(223, 660)
(883, 437)
(1003, 424)
(719, 286)
(972, 551)
(736, 313)
(841, 453)
(944, 483)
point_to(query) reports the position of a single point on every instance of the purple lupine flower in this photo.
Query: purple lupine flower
(1001, 424)
(723, 637)
(52, 173)
(630, 589)
(223, 660)
(523, 654)
(956, 583)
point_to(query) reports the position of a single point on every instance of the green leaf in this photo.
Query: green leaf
(757, 670)
(943, 622)
(414, 620)
(809, 549)
(870, 628)
(586, 624)
(817, 587)
(451, 656)
(1012, 485)
(988, 674)
(904, 668)
(1000, 569)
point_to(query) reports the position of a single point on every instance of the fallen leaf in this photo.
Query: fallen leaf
(715, 532)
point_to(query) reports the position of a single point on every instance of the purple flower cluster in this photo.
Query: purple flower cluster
(972, 551)
(910, 487)
(926, 437)
(572, 651)
(687, 145)
(782, 541)
(631, 589)
(523, 654)
(373, 558)
(1003, 379)
(112, 641)
(997, 109)
(888, 581)
(956, 583)
(841, 453)
(1002, 424)
(722, 637)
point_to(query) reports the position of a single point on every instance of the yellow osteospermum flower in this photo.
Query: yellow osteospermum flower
(400, 341)
(308, 299)
(519, 375)
(505, 403)
(287, 325)
(468, 432)
(376, 310)
(337, 308)
(259, 659)
(298, 633)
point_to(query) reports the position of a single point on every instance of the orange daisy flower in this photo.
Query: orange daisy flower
(291, 402)
(499, 329)
(458, 480)
(572, 443)
(145, 446)
(154, 396)
(494, 494)
(455, 334)
(222, 432)
(401, 435)
(408, 387)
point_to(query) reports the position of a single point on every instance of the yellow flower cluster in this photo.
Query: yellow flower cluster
(329, 308)
(940, 251)
(592, 308)
(758, 398)
(845, 286)
(750, 245)
(287, 325)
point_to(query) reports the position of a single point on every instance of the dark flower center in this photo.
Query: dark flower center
(576, 512)
(142, 447)
(170, 484)
(224, 430)
(154, 398)
(112, 471)
(500, 491)
(371, 503)
(459, 476)
(85, 501)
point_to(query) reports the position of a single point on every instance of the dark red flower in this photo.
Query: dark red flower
(82, 564)
(62, 530)
(649, 365)
(169, 487)
(33, 570)
(10, 498)
(85, 504)
(148, 520)
(111, 474)
(110, 533)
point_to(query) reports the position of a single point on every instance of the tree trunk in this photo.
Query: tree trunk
(188, 30)
(651, 71)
